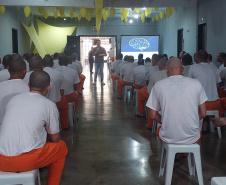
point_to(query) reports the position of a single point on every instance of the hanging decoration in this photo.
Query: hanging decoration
(2, 9)
(126, 19)
(71, 15)
(99, 6)
(112, 11)
(41, 10)
(121, 10)
(153, 19)
(18, 7)
(27, 11)
(55, 15)
(89, 13)
(161, 15)
(156, 9)
(142, 16)
(79, 18)
(45, 15)
(83, 12)
(74, 9)
(61, 10)
(137, 10)
(168, 11)
(157, 17)
(105, 13)
(132, 9)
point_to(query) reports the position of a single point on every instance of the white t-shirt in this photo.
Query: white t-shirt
(151, 71)
(56, 64)
(70, 78)
(27, 76)
(157, 76)
(4, 75)
(138, 75)
(120, 67)
(127, 71)
(9, 89)
(186, 69)
(115, 66)
(57, 82)
(178, 98)
(28, 119)
(27, 65)
(221, 68)
(79, 63)
(1, 67)
(208, 77)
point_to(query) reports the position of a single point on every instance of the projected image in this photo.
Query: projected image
(134, 45)
(139, 43)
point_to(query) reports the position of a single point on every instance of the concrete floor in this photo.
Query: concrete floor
(110, 146)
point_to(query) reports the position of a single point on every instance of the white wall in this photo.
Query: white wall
(182, 18)
(11, 19)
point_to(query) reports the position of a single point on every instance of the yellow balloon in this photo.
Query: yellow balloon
(137, 10)
(146, 13)
(157, 17)
(112, 12)
(79, 17)
(71, 15)
(126, 12)
(132, 8)
(149, 10)
(83, 12)
(55, 15)
(122, 17)
(142, 16)
(2, 9)
(74, 9)
(156, 8)
(126, 19)
(41, 10)
(161, 15)
(153, 19)
(168, 12)
(121, 10)
(104, 17)
(61, 9)
(27, 11)
(45, 15)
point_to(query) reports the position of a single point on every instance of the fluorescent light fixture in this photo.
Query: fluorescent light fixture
(131, 21)
(65, 19)
(136, 16)
(144, 8)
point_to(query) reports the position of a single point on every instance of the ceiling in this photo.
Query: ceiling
(51, 5)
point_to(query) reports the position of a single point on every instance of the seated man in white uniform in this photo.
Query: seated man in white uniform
(4, 74)
(182, 103)
(28, 120)
(35, 63)
(14, 86)
(56, 93)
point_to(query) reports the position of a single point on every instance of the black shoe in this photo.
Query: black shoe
(119, 98)
(148, 127)
(139, 116)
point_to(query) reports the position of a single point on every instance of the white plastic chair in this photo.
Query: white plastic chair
(25, 178)
(127, 92)
(216, 114)
(168, 156)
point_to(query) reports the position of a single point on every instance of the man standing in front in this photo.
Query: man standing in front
(99, 53)
(182, 103)
(24, 132)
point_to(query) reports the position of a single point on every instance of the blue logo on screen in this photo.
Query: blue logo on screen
(139, 43)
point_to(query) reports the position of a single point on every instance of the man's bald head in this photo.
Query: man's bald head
(36, 63)
(174, 66)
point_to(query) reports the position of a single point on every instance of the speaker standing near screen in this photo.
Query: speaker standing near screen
(99, 53)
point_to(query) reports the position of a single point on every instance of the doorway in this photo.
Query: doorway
(202, 36)
(86, 42)
(180, 41)
(14, 40)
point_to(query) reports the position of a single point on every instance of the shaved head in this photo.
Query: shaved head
(174, 66)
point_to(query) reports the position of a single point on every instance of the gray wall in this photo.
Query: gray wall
(182, 18)
(212, 12)
(11, 19)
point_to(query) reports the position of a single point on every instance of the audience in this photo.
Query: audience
(115, 66)
(23, 136)
(187, 62)
(55, 60)
(220, 59)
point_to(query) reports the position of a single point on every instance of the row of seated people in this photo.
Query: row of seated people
(144, 76)
(31, 104)
(66, 82)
